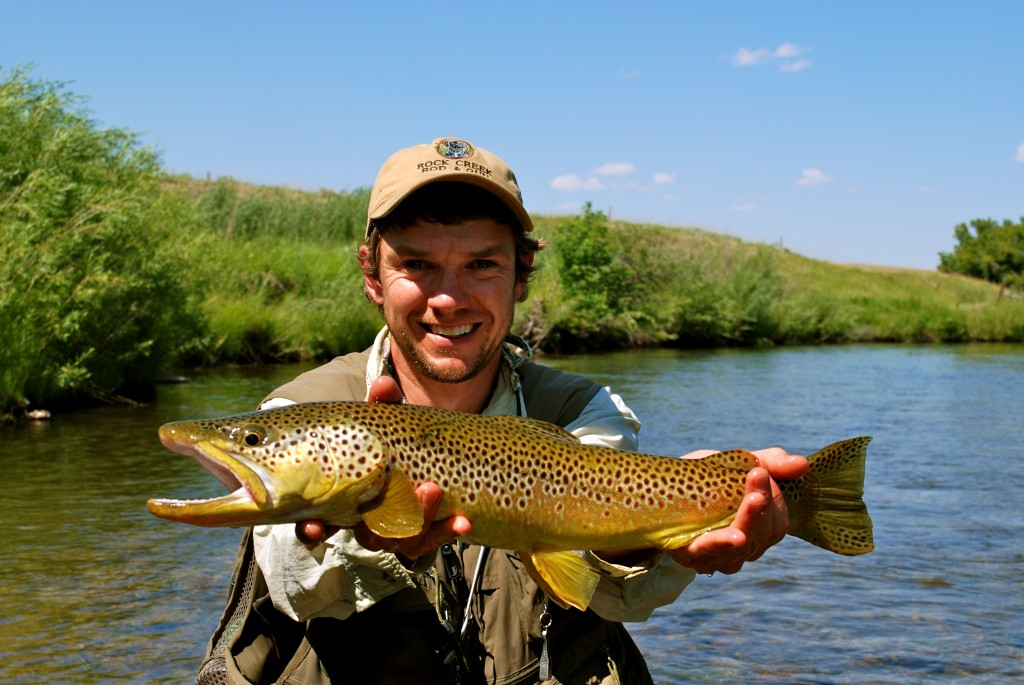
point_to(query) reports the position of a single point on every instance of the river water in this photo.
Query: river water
(95, 590)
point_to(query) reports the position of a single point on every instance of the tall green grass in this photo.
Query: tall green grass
(286, 289)
(275, 299)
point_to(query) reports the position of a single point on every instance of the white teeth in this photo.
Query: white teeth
(451, 332)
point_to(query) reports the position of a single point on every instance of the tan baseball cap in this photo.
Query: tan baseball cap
(446, 159)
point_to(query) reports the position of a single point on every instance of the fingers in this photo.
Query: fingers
(778, 464)
(384, 389)
(716, 550)
(313, 532)
(429, 541)
(726, 550)
(758, 516)
(781, 464)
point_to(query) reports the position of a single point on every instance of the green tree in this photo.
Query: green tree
(592, 273)
(989, 250)
(597, 284)
(91, 268)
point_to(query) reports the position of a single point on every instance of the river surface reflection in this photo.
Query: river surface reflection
(96, 590)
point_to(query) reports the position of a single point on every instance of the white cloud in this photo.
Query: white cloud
(747, 58)
(813, 177)
(743, 207)
(795, 65)
(571, 183)
(787, 57)
(611, 176)
(787, 50)
(628, 74)
(614, 169)
(1020, 153)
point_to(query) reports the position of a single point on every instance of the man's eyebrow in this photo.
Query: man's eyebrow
(497, 249)
(493, 250)
(408, 251)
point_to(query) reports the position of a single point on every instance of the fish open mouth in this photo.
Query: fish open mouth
(248, 493)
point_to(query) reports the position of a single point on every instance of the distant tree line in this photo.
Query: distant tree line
(989, 250)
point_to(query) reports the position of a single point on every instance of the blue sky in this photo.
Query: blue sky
(857, 132)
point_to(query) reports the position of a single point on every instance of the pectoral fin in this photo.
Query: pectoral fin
(565, 577)
(396, 513)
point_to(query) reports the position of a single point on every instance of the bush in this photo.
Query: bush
(599, 288)
(92, 296)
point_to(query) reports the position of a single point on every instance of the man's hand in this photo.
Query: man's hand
(762, 519)
(313, 532)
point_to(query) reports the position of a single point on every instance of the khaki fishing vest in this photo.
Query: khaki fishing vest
(411, 637)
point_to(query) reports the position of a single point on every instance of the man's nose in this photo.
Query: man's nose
(449, 290)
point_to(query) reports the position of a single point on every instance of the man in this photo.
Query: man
(448, 252)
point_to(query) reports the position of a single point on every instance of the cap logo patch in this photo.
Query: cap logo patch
(453, 148)
(455, 155)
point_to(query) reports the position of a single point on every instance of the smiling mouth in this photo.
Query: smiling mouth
(450, 331)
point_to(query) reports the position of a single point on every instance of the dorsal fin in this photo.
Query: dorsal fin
(527, 426)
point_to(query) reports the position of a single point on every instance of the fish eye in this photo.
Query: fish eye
(253, 435)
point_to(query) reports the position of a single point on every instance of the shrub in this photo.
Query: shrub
(92, 295)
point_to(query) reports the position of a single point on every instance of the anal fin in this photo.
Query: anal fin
(566, 577)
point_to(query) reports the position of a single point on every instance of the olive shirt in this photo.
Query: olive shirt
(339, 577)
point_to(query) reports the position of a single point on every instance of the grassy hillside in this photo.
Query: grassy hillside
(889, 304)
(287, 286)
(702, 288)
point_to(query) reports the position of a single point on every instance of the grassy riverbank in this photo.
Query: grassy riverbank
(703, 289)
(285, 285)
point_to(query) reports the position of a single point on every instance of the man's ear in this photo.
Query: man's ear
(370, 284)
(373, 290)
(521, 282)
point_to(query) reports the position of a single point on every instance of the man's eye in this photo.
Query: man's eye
(484, 264)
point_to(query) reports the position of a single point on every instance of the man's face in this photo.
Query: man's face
(447, 293)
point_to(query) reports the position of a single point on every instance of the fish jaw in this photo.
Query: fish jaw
(230, 469)
(249, 494)
(259, 495)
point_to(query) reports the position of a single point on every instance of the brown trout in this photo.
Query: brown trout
(526, 486)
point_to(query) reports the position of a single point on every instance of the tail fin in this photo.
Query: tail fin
(826, 506)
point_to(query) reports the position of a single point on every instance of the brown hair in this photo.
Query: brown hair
(449, 203)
